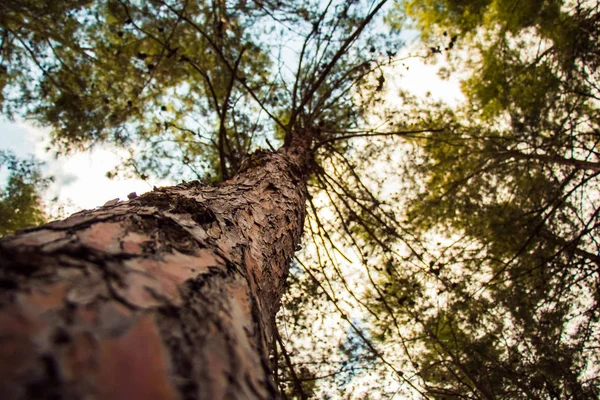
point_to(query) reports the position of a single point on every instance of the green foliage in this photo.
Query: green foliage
(20, 203)
(504, 202)
(120, 72)
(432, 17)
(189, 87)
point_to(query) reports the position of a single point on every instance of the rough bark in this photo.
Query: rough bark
(169, 295)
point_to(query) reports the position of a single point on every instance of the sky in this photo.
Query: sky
(80, 178)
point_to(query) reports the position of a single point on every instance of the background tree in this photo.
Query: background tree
(505, 295)
(20, 203)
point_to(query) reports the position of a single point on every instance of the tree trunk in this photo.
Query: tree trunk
(169, 295)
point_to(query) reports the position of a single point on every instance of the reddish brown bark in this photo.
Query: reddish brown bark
(169, 295)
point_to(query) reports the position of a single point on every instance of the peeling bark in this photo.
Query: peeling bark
(168, 295)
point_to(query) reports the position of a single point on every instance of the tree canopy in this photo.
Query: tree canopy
(512, 186)
(450, 252)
